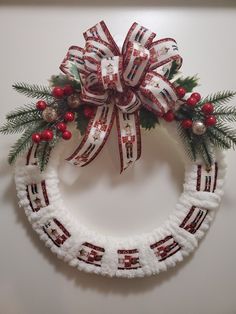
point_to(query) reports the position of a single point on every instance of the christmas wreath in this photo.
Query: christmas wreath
(138, 86)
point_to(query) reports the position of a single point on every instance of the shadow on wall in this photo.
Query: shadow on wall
(113, 3)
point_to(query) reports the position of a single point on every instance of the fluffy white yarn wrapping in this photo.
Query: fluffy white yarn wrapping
(150, 265)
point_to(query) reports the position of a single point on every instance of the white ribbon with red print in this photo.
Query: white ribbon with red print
(118, 83)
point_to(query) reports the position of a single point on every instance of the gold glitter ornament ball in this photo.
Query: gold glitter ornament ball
(49, 114)
(73, 101)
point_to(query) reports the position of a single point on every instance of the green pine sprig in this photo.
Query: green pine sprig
(188, 141)
(189, 82)
(226, 133)
(219, 98)
(218, 140)
(148, 119)
(81, 121)
(225, 114)
(21, 112)
(173, 70)
(62, 80)
(196, 146)
(33, 91)
(20, 119)
(24, 142)
(205, 150)
(44, 152)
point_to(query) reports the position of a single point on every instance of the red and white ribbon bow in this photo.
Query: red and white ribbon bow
(118, 83)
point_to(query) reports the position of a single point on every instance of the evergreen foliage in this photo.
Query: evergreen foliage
(189, 82)
(81, 121)
(148, 119)
(24, 142)
(219, 98)
(33, 91)
(220, 135)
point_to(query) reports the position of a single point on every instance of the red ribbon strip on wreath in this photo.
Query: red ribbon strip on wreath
(118, 83)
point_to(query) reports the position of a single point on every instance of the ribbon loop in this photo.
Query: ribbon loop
(139, 34)
(135, 63)
(73, 64)
(94, 52)
(159, 91)
(101, 32)
(164, 51)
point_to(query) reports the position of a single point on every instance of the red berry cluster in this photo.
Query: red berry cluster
(60, 92)
(207, 109)
(169, 116)
(192, 100)
(48, 134)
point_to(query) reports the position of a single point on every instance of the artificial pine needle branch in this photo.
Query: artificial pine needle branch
(34, 91)
(205, 151)
(43, 154)
(187, 139)
(218, 140)
(219, 98)
(226, 132)
(12, 127)
(24, 142)
(22, 111)
(223, 113)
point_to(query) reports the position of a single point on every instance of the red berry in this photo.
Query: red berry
(207, 108)
(210, 121)
(41, 105)
(169, 116)
(192, 101)
(187, 123)
(68, 90)
(197, 96)
(181, 91)
(58, 92)
(69, 116)
(66, 135)
(88, 112)
(47, 135)
(61, 126)
(36, 137)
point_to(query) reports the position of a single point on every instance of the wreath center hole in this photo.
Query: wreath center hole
(136, 201)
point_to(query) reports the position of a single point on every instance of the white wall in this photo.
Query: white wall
(34, 40)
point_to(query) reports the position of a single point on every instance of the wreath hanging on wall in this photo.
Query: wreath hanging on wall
(138, 86)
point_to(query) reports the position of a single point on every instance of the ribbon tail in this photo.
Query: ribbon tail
(95, 136)
(129, 138)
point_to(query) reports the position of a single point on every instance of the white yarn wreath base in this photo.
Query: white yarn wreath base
(135, 256)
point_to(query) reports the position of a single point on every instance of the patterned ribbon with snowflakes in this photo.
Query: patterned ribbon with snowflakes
(118, 83)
